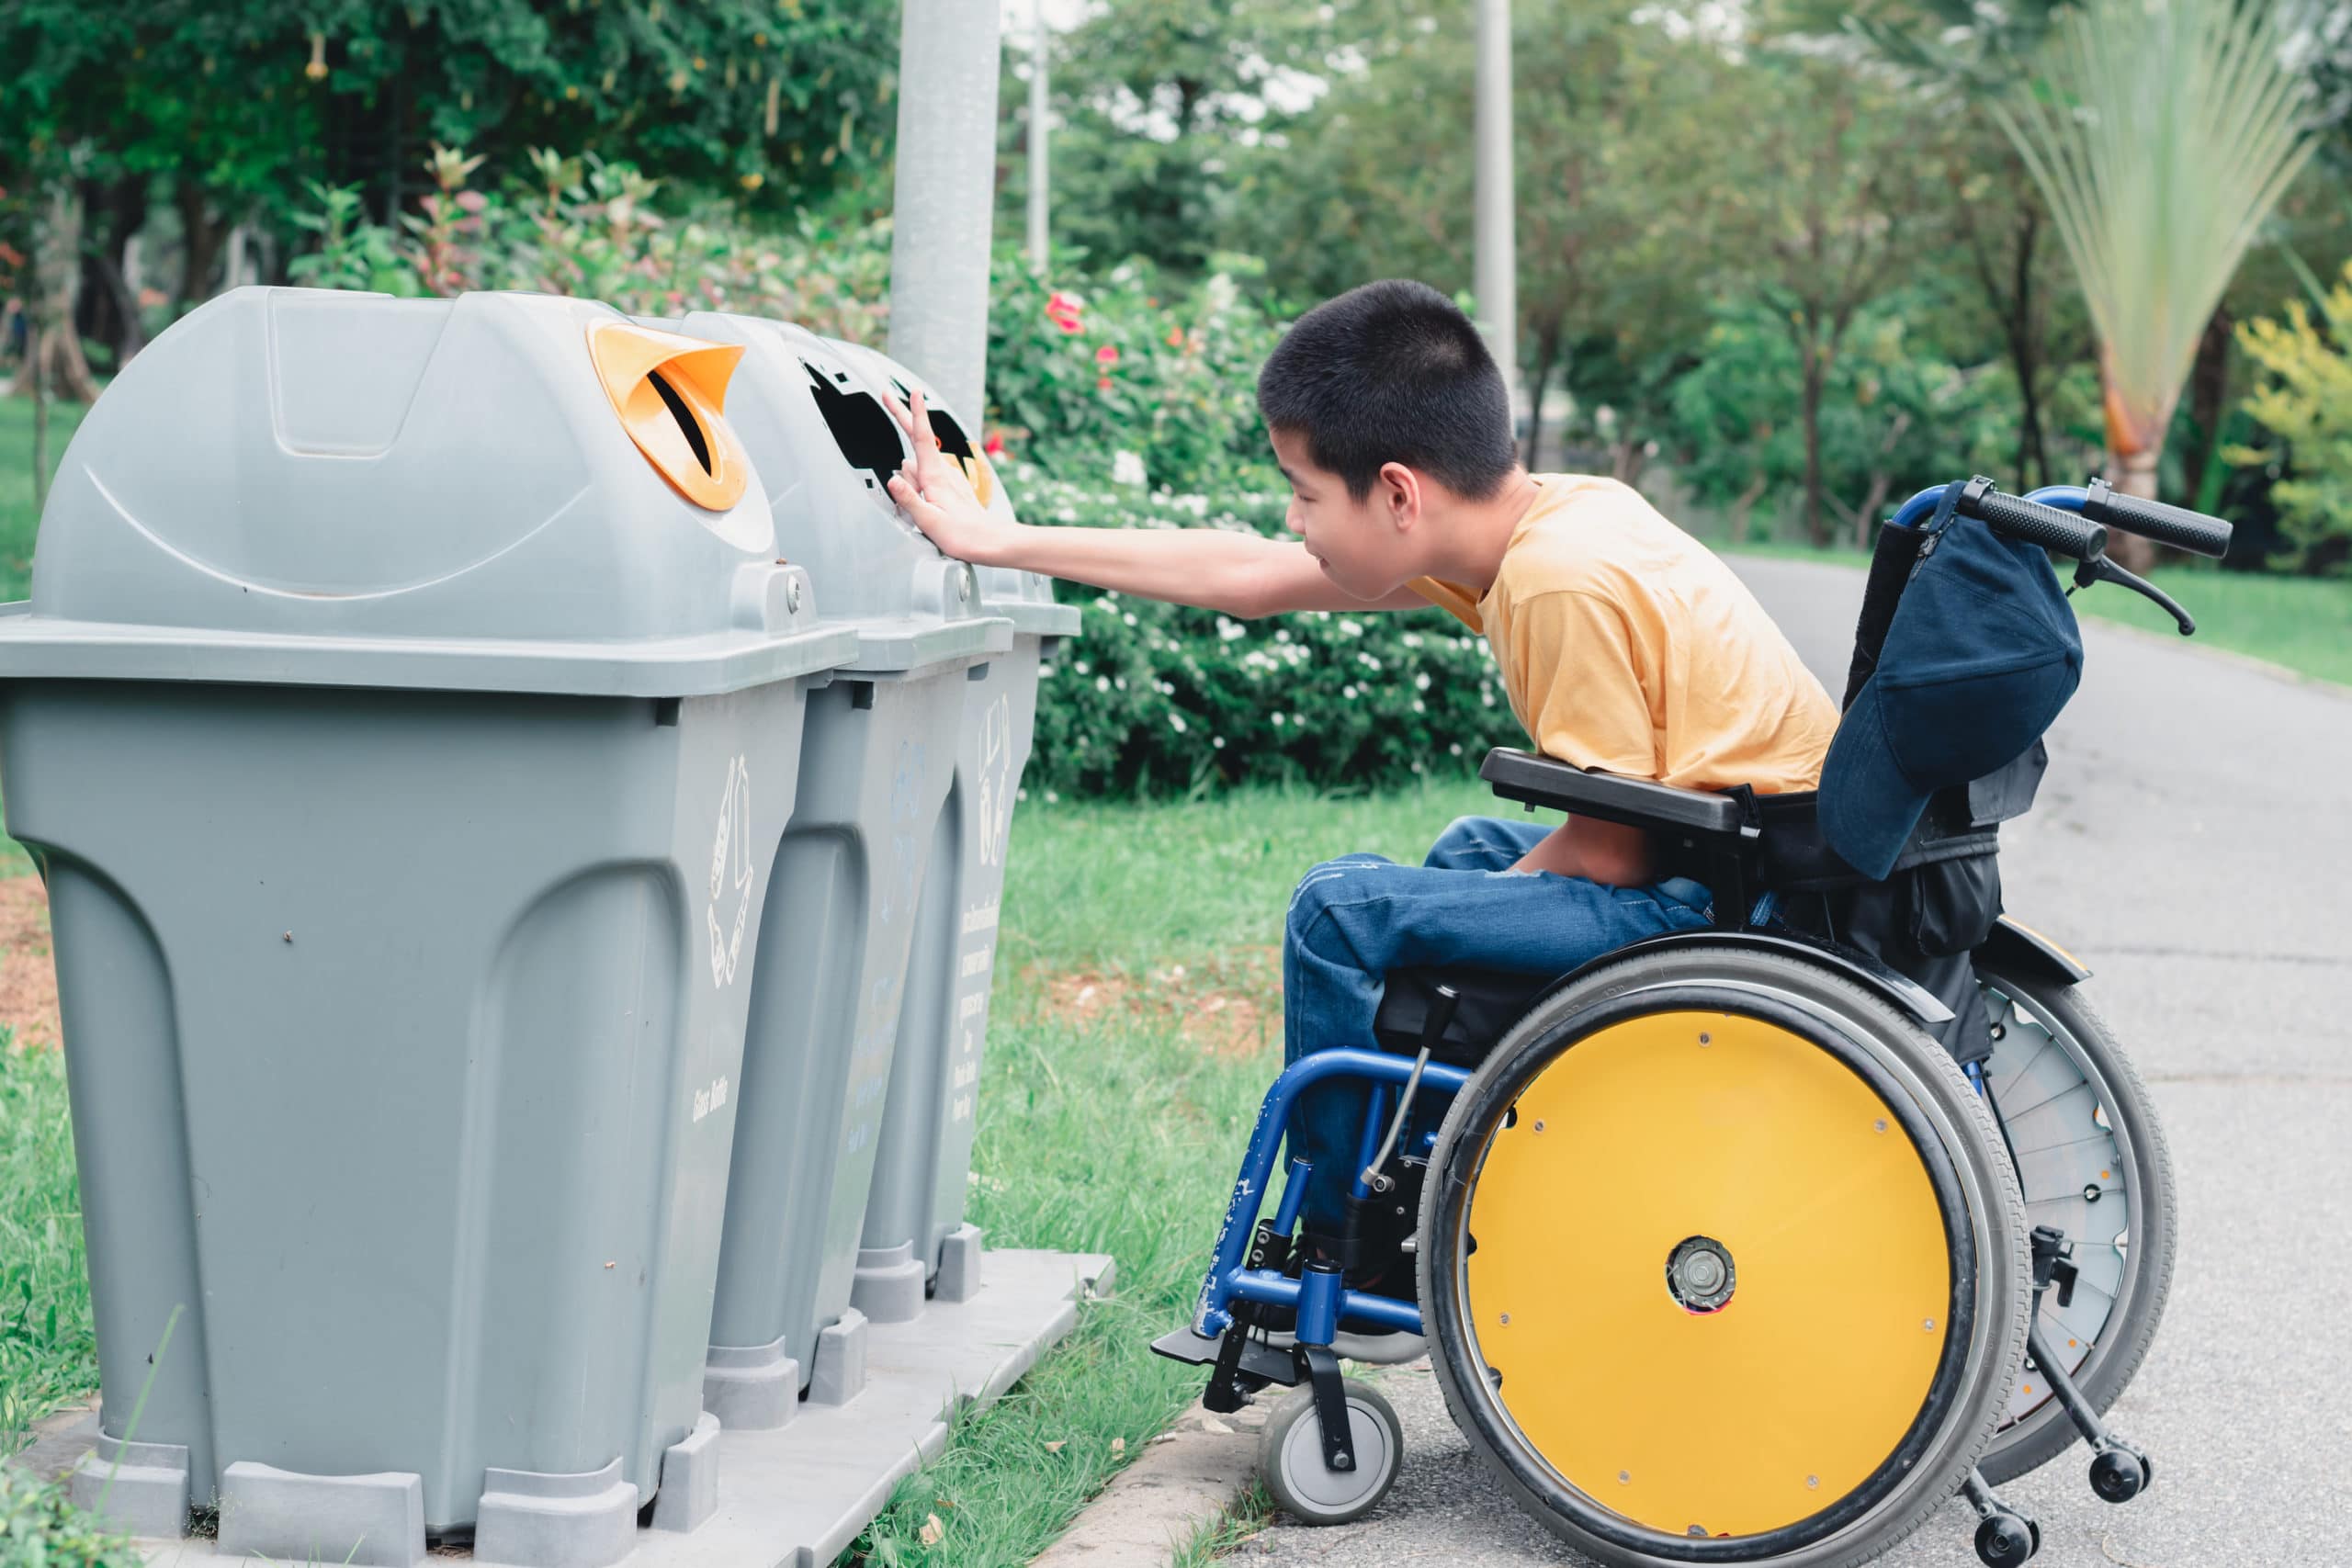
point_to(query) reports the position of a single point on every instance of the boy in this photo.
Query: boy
(1624, 645)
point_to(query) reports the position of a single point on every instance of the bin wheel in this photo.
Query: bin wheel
(1718, 1244)
(1290, 1457)
(2081, 1121)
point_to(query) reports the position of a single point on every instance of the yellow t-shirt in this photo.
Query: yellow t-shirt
(1627, 646)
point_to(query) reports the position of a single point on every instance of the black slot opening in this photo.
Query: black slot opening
(866, 435)
(684, 416)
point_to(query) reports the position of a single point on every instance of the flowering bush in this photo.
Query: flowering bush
(1082, 378)
(1161, 697)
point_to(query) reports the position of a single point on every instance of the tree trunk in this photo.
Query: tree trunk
(2209, 405)
(1815, 374)
(200, 234)
(1547, 349)
(1743, 510)
(2135, 450)
(2025, 356)
(54, 350)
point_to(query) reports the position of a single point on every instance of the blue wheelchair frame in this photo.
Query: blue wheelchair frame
(1318, 1298)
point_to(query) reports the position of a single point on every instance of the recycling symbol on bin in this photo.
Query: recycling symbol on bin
(730, 875)
(995, 772)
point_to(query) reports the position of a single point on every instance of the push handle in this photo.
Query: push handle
(2061, 532)
(2174, 525)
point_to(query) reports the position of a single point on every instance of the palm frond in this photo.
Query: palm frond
(2161, 133)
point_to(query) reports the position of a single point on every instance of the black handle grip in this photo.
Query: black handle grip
(2060, 532)
(2174, 525)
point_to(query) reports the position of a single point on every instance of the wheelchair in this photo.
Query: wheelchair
(1754, 1244)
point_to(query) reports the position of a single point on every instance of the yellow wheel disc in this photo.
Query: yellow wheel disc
(1711, 1270)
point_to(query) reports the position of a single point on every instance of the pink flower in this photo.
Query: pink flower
(1104, 385)
(994, 445)
(1108, 355)
(1064, 311)
(472, 200)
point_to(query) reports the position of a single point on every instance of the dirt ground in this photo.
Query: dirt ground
(1231, 1010)
(28, 976)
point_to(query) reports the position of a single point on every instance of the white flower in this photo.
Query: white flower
(1421, 681)
(1282, 634)
(1368, 662)
(1455, 750)
(1348, 692)
(1083, 668)
(1054, 799)
(1131, 618)
(1217, 742)
(1122, 683)
(1127, 468)
(1229, 630)
(1412, 639)
(1176, 722)
(1102, 682)
(1279, 721)
(1420, 706)
(1347, 628)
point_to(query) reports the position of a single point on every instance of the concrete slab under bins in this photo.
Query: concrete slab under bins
(795, 1496)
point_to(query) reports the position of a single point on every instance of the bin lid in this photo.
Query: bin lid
(494, 492)
(1026, 598)
(825, 446)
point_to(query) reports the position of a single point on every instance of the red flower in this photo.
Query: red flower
(1108, 355)
(1064, 311)
(1104, 385)
(994, 445)
(1175, 337)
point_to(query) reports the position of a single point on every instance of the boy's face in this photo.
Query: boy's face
(1364, 546)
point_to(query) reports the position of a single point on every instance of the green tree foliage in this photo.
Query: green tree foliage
(2305, 405)
(1156, 101)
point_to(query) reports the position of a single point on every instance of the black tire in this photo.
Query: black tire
(1942, 1447)
(2033, 1438)
(1290, 1457)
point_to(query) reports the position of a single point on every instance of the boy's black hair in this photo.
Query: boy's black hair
(1393, 372)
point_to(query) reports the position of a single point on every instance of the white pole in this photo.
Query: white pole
(1038, 176)
(1495, 271)
(946, 196)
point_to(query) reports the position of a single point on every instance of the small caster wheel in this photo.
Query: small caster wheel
(1290, 1457)
(2007, 1540)
(2119, 1475)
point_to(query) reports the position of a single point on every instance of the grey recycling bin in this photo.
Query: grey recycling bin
(877, 762)
(404, 720)
(915, 1242)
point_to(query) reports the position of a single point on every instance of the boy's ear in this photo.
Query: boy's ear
(1401, 492)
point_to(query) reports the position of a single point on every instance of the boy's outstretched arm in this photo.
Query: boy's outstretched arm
(1242, 575)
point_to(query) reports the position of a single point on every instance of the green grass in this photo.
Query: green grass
(2303, 622)
(47, 1351)
(1114, 1134)
(18, 518)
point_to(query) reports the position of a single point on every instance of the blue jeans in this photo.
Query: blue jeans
(1355, 918)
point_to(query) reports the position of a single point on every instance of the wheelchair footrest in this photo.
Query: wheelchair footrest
(1258, 1359)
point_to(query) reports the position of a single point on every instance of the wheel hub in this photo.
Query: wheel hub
(1698, 1274)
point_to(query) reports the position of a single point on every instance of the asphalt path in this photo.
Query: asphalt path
(2192, 845)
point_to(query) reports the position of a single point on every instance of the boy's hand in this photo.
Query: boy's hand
(934, 492)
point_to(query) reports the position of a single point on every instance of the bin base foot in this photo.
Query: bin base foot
(837, 1371)
(149, 1493)
(796, 1494)
(532, 1521)
(689, 1492)
(959, 1265)
(751, 1388)
(283, 1516)
(889, 1284)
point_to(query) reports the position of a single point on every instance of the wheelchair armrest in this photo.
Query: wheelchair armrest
(1641, 803)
